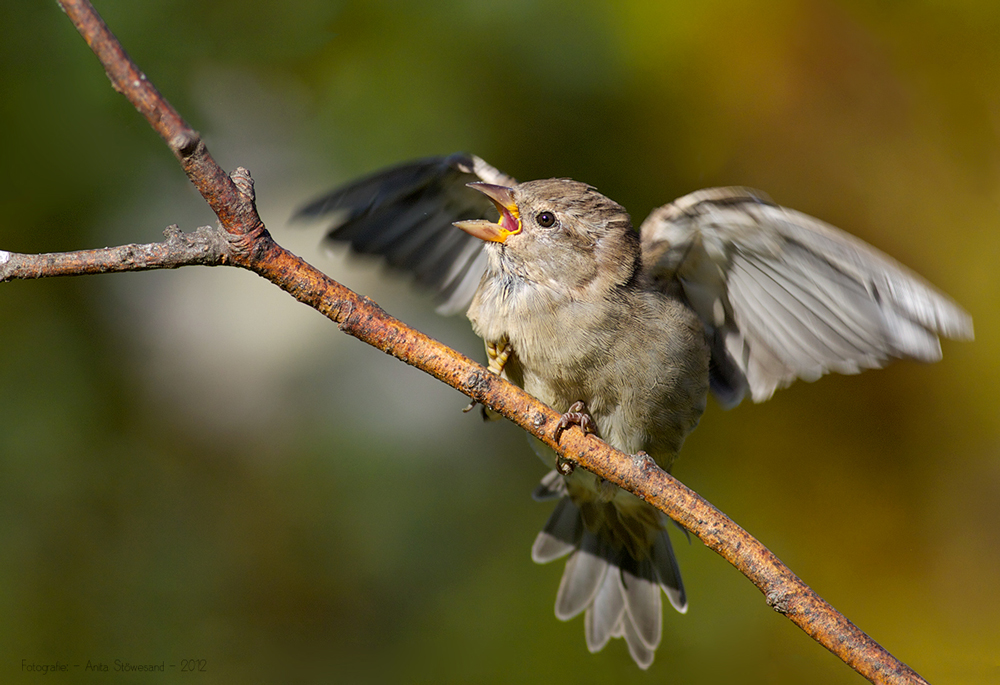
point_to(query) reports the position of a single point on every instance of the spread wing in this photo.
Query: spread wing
(786, 296)
(405, 214)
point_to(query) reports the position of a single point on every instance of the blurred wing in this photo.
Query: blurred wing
(405, 214)
(786, 296)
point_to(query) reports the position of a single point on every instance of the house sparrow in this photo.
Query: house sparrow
(627, 332)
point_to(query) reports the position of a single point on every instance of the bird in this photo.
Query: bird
(627, 332)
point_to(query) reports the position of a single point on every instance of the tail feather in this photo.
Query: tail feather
(668, 572)
(620, 559)
(642, 602)
(605, 614)
(641, 653)
(582, 578)
(553, 486)
(561, 534)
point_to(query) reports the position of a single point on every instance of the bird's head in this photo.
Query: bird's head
(557, 231)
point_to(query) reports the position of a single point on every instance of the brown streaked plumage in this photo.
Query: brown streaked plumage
(721, 290)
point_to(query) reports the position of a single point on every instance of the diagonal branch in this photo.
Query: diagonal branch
(243, 241)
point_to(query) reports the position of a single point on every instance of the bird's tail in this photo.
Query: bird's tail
(620, 558)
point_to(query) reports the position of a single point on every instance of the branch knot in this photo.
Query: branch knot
(780, 600)
(186, 142)
(244, 183)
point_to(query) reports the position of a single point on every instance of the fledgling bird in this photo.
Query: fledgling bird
(626, 333)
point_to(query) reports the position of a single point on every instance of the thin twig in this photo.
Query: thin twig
(206, 246)
(248, 245)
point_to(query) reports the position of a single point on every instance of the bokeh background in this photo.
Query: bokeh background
(194, 466)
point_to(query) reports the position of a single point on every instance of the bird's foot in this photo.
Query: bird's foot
(564, 466)
(576, 416)
(487, 413)
(498, 354)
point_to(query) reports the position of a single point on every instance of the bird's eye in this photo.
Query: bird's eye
(545, 219)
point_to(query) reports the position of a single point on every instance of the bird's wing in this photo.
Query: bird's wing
(405, 214)
(786, 296)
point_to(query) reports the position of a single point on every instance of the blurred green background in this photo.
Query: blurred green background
(194, 466)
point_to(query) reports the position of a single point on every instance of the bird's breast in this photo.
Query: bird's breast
(638, 360)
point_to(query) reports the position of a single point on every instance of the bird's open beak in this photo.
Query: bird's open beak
(509, 223)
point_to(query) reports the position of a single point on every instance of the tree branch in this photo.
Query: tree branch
(207, 246)
(243, 241)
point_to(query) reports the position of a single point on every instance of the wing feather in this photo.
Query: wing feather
(405, 215)
(786, 296)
